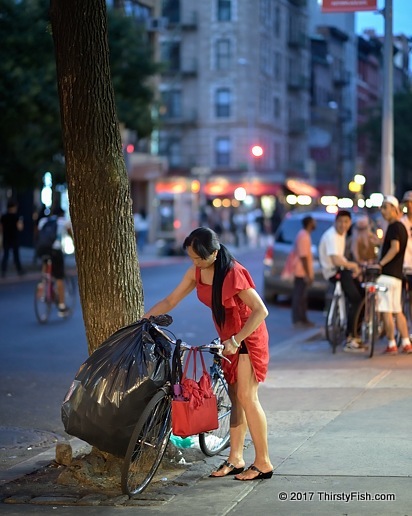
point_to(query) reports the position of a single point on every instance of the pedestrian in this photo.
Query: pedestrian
(11, 227)
(333, 262)
(238, 312)
(141, 227)
(391, 261)
(407, 222)
(52, 231)
(303, 273)
(364, 242)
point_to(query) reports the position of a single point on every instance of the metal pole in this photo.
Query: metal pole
(387, 174)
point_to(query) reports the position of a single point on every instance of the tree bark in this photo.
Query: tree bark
(99, 192)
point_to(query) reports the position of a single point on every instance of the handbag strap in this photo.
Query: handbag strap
(203, 363)
(192, 352)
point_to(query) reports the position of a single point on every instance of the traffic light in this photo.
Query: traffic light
(257, 151)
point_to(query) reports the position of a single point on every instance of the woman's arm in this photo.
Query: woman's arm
(259, 313)
(184, 288)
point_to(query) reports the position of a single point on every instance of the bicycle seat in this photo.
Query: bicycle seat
(372, 271)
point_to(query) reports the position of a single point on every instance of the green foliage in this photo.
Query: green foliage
(30, 133)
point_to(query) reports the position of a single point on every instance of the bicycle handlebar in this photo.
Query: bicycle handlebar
(215, 347)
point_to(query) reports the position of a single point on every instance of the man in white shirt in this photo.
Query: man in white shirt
(332, 260)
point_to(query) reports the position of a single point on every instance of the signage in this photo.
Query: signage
(348, 6)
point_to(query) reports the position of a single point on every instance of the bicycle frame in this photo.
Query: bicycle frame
(370, 321)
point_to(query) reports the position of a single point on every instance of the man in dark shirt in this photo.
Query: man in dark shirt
(391, 261)
(11, 225)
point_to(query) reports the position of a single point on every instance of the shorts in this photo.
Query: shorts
(243, 348)
(390, 301)
(57, 259)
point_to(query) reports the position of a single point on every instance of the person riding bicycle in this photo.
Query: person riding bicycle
(333, 262)
(239, 313)
(391, 261)
(53, 247)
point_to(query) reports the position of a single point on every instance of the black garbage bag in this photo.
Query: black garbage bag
(113, 386)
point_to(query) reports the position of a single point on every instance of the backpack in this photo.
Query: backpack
(46, 236)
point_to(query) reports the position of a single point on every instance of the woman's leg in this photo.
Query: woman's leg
(238, 429)
(247, 390)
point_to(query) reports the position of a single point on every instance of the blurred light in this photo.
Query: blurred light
(226, 203)
(235, 203)
(195, 186)
(361, 203)
(130, 148)
(332, 208)
(345, 202)
(249, 200)
(376, 199)
(355, 187)
(177, 224)
(291, 199)
(327, 200)
(217, 203)
(46, 196)
(257, 151)
(67, 245)
(240, 193)
(368, 203)
(360, 179)
(304, 200)
(379, 232)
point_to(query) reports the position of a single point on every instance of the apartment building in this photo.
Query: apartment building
(236, 74)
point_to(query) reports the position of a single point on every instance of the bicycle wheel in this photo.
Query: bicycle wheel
(213, 442)
(373, 326)
(333, 329)
(42, 301)
(147, 444)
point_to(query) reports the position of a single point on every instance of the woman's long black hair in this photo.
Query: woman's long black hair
(204, 242)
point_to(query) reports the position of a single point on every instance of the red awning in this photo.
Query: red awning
(225, 188)
(299, 187)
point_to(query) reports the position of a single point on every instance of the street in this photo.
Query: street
(338, 424)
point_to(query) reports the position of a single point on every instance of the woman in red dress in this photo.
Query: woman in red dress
(225, 286)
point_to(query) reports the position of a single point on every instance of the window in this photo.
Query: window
(172, 104)
(223, 54)
(171, 10)
(170, 54)
(222, 151)
(276, 108)
(171, 148)
(222, 102)
(277, 66)
(224, 8)
(276, 22)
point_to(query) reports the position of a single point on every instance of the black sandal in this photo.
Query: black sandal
(233, 470)
(259, 476)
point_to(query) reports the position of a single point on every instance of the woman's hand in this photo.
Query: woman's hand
(230, 347)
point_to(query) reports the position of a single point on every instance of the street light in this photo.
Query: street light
(257, 151)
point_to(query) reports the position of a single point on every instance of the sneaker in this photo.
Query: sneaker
(353, 346)
(407, 349)
(391, 350)
(63, 311)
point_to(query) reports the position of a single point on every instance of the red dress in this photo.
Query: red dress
(237, 312)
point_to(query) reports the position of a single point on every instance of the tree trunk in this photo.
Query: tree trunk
(100, 204)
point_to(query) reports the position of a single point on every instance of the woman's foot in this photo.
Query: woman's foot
(255, 473)
(227, 468)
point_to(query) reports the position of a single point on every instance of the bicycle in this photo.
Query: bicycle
(407, 296)
(336, 318)
(45, 295)
(371, 326)
(152, 432)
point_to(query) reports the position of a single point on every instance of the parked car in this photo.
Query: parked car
(276, 254)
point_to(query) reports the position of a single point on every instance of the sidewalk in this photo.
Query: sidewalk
(338, 436)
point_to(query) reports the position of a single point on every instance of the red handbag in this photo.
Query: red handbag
(194, 406)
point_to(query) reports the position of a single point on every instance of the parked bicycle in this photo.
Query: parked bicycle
(336, 318)
(151, 435)
(371, 323)
(45, 295)
(407, 297)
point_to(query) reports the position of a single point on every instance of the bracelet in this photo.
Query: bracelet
(234, 343)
